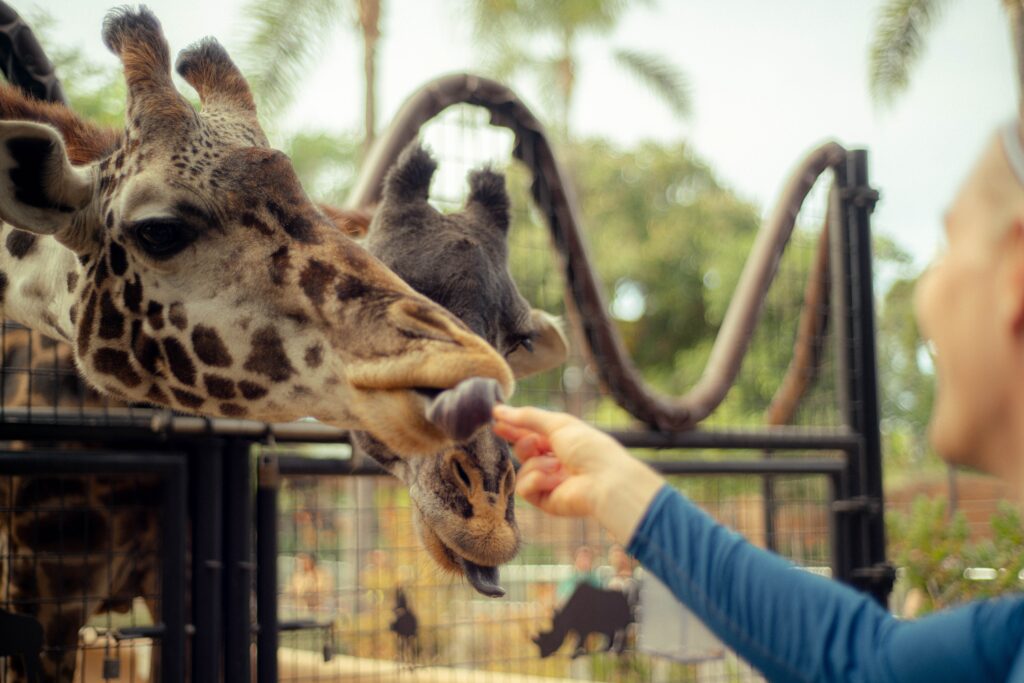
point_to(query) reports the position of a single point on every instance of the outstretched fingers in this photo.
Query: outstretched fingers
(534, 419)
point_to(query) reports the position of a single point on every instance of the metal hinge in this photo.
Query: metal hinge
(863, 195)
(857, 504)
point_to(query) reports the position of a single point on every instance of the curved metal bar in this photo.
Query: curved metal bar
(554, 194)
(23, 61)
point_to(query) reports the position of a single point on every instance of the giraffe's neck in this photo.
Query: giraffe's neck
(38, 278)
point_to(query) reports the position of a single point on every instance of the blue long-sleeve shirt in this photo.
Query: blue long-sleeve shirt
(795, 626)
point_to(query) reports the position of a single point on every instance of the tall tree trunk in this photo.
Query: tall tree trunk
(369, 26)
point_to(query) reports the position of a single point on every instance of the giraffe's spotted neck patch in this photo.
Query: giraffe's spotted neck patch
(181, 364)
(210, 348)
(176, 314)
(115, 363)
(219, 387)
(111, 319)
(20, 243)
(268, 356)
(118, 259)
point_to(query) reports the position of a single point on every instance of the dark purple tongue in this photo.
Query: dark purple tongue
(464, 408)
(484, 579)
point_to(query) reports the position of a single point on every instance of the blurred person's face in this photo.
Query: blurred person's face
(583, 560)
(970, 305)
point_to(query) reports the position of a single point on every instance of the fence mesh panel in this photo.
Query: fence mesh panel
(81, 554)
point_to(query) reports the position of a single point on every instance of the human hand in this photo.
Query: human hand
(572, 469)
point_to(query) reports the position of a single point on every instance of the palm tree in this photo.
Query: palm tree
(285, 36)
(900, 33)
(541, 37)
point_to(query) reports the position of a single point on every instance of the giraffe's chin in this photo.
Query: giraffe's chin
(484, 579)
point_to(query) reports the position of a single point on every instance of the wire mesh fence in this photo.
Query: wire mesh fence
(362, 601)
(81, 555)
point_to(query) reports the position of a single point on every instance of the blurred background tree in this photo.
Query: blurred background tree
(286, 37)
(538, 39)
(901, 32)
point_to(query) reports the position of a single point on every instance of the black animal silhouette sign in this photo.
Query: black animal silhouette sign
(405, 626)
(588, 610)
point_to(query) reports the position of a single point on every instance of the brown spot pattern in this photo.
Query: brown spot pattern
(118, 259)
(176, 314)
(219, 387)
(72, 281)
(155, 315)
(268, 356)
(111, 319)
(252, 391)
(315, 278)
(314, 355)
(145, 349)
(210, 348)
(133, 295)
(181, 364)
(187, 398)
(85, 327)
(279, 262)
(156, 395)
(232, 410)
(250, 220)
(115, 363)
(21, 243)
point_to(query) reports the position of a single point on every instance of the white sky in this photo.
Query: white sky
(770, 80)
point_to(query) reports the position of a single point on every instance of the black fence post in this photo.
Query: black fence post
(266, 569)
(862, 504)
(206, 471)
(172, 592)
(238, 560)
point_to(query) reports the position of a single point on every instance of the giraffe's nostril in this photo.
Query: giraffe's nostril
(461, 473)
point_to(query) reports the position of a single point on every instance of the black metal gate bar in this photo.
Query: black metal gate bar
(172, 607)
(238, 562)
(266, 568)
(863, 564)
(206, 484)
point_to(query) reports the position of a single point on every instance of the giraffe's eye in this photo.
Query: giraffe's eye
(162, 237)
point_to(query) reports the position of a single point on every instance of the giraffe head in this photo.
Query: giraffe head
(463, 495)
(206, 280)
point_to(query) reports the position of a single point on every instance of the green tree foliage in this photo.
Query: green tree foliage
(935, 551)
(96, 92)
(285, 37)
(540, 38)
(901, 32)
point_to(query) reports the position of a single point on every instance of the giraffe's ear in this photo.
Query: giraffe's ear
(549, 346)
(40, 191)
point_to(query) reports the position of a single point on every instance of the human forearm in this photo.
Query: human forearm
(796, 626)
(622, 501)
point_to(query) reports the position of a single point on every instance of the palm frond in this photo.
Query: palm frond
(664, 78)
(900, 31)
(283, 38)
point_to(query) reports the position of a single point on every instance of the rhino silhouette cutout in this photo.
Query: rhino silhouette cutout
(588, 610)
